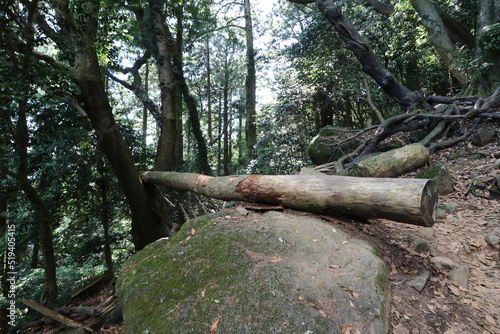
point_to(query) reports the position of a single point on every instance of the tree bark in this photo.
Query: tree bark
(209, 91)
(163, 49)
(409, 201)
(391, 163)
(250, 85)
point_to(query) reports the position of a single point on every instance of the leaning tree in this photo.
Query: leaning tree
(69, 36)
(446, 35)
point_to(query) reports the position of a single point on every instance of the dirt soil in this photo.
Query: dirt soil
(444, 306)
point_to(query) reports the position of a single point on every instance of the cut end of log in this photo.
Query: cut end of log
(429, 203)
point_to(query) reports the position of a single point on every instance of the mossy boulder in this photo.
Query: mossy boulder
(439, 173)
(270, 273)
(324, 147)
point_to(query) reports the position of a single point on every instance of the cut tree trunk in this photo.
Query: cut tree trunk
(409, 201)
(391, 163)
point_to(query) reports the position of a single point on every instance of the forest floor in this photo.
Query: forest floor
(444, 305)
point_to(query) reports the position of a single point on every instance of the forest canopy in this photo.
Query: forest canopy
(94, 92)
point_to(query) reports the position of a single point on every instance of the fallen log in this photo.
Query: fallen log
(391, 163)
(54, 315)
(411, 201)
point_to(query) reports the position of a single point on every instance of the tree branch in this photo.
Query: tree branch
(371, 64)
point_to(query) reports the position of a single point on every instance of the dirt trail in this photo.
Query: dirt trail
(444, 306)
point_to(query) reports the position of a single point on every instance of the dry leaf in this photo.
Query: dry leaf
(346, 329)
(276, 260)
(215, 326)
(491, 320)
(454, 290)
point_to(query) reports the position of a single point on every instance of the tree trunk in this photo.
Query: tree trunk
(149, 218)
(178, 66)
(438, 36)
(487, 52)
(145, 109)
(391, 163)
(209, 92)
(49, 293)
(225, 114)
(108, 258)
(194, 119)
(371, 65)
(163, 49)
(405, 200)
(250, 85)
(34, 255)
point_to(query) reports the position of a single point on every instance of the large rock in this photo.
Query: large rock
(270, 273)
(324, 148)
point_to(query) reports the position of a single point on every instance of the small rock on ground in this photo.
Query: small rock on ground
(443, 263)
(461, 276)
(419, 282)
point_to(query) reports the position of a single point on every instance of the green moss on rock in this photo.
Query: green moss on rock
(323, 147)
(249, 275)
(441, 175)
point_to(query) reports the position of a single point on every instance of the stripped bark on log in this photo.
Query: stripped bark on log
(404, 200)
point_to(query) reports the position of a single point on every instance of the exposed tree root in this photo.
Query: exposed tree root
(454, 120)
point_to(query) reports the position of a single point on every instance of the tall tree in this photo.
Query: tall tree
(163, 49)
(18, 126)
(74, 31)
(250, 84)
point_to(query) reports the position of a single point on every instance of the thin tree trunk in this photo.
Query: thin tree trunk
(250, 85)
(105, 219)
(209, 92)
(179, 64)
(220, 128)
(182, 86)
(34, 255)
(145, 109)
(225, 114)
(165, 155)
